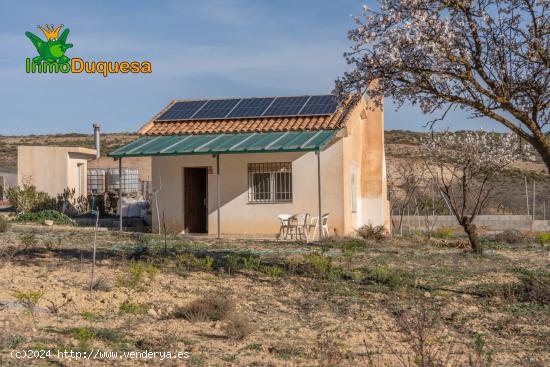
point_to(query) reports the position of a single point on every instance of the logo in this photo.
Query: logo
(53, 49)
(52, 59)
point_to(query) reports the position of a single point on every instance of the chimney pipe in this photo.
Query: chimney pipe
(96, 139)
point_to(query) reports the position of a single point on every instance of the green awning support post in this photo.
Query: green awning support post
(120, 193)
(318, 154)
(218, 195)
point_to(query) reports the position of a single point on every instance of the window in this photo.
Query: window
(269, 182)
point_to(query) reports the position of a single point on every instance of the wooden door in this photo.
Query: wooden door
(195, 185)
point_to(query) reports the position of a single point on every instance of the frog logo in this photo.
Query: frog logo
(53, 49)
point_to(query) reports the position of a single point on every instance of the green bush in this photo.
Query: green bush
(40, 217)
(136, 274)
(189, 262)
(392, 278)
(127, 307)
(444, 232)
(274, 271)
(27, 199)
(543, 238)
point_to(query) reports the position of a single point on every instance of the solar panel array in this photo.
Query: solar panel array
(250, 107)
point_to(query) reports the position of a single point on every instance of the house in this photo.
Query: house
(231, 166)
(52, 169)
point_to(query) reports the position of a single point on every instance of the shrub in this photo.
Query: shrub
(274, 271)
(232, 263)
(319, 266)
(84, 335)
(543, 238)
(26, 199)
(535, 286)
(40, 217)
(383, 275)
(137, 273)
(3, 225)
(128, 307)
(251, 262)
(101, 284)
(370, 232)
(215, 307)
(238, 327)
(29, 299)
(444, 232)
(188, 262)
(510, 236)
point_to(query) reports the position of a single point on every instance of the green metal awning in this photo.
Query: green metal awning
(284, 141)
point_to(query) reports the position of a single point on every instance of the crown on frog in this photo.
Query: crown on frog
(50, 31)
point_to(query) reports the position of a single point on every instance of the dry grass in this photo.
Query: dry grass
(340, 304)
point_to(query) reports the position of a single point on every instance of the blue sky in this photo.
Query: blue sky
(198, 49)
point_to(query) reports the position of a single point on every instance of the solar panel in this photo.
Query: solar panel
(251, 107)
(320, 105)
(286, 106)
(216, 109)
(181, 110)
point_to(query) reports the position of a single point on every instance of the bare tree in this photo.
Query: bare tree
(462, 165)
(489, 57)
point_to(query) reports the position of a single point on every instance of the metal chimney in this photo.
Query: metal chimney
(97, 142)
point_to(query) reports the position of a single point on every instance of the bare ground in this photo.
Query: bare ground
(342, 317)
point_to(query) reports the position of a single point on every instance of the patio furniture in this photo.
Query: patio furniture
(283, 230)
(298, 226)
(314, 223)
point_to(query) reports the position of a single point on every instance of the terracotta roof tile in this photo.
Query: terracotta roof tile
(298, 123)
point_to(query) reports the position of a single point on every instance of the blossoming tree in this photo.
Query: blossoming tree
(462, 165)
(489, 57)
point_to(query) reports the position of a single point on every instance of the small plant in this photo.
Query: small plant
(28, 240)
(215, 307)
(481, 357)
(128, 307)
(84, 336)
(274, 271)
(4, 225)
(444, 232)
(319, 266)
(543, 238)
(370, 232)
(137, 273)
(29, 299)
(251, 262)
(232, 263)
(101, 284)
(238, 327)
(189, 262)
(392, 278)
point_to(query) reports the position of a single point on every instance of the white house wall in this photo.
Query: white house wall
(238, 216)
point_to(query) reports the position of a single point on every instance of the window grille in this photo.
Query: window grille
(96, 181)
(269, 182)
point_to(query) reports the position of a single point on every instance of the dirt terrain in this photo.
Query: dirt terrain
(346, 302)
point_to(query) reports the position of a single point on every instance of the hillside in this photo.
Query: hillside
(401, 148)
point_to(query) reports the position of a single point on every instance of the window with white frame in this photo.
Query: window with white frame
(269, 182)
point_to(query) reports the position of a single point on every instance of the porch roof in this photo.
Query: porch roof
(224, 143)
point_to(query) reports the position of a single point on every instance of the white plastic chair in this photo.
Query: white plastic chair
(284, 228)
(315, 224)
(298, 226)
